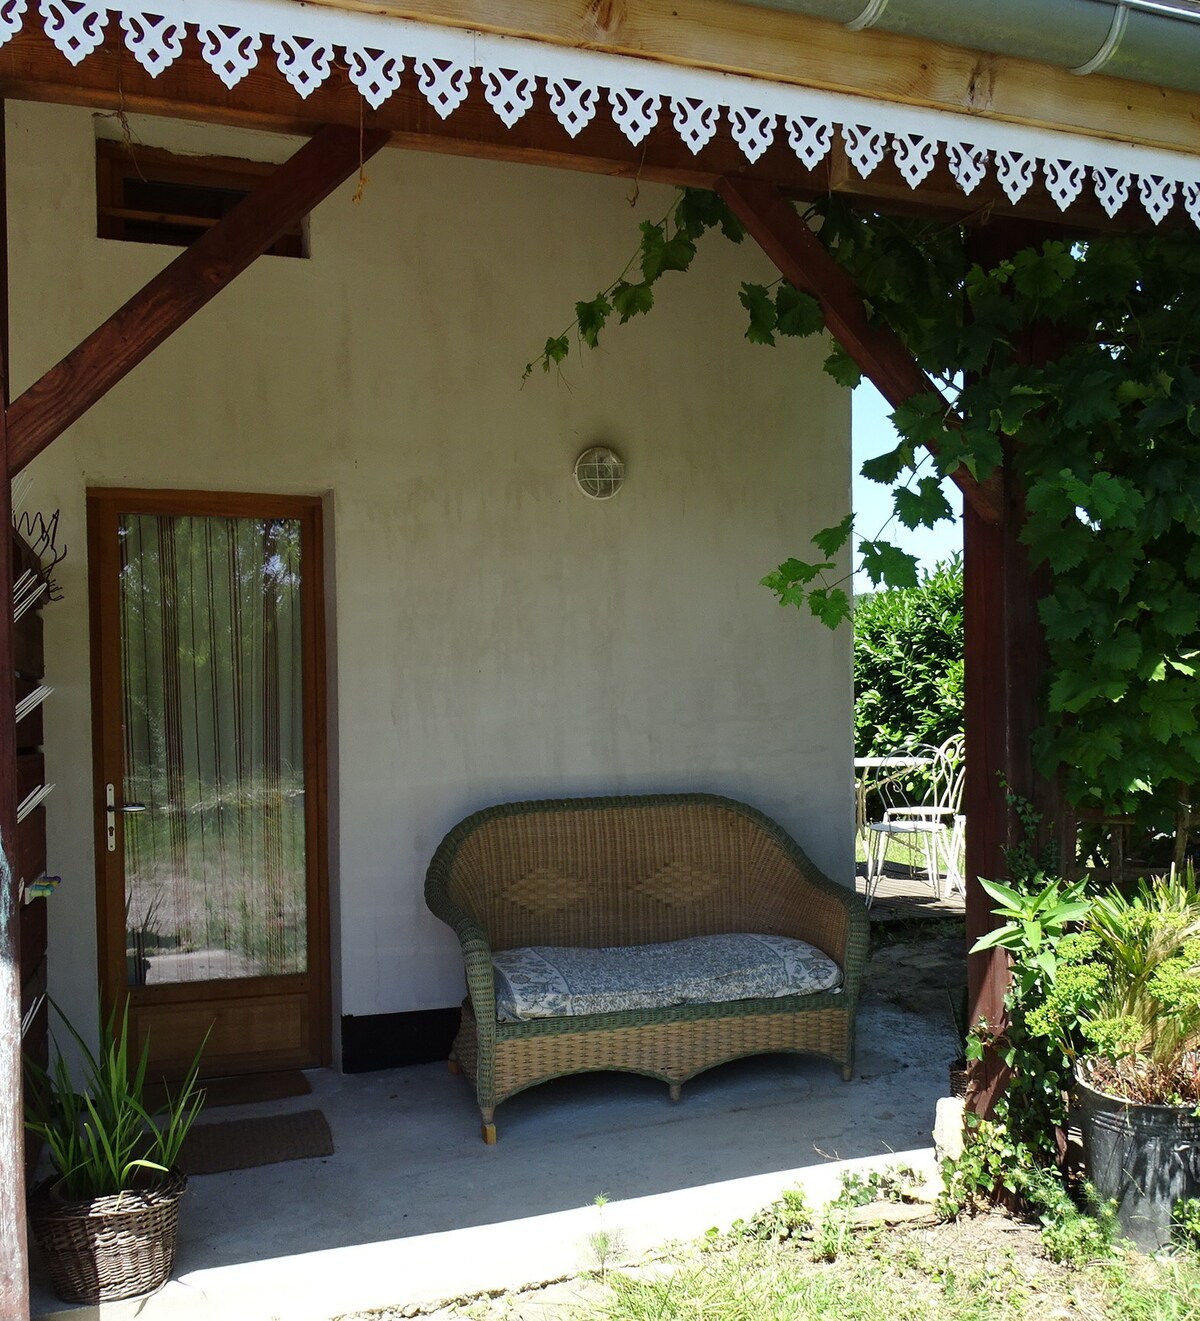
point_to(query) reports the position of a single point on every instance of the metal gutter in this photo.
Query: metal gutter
(1145, 41)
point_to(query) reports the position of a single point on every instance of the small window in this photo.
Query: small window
(145, 195)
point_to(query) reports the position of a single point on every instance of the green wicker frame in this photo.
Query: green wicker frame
(632, 870)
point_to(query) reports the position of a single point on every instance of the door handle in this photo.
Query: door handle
(110, 815)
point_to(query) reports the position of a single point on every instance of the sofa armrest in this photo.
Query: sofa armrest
(475, 946)
(795, 899)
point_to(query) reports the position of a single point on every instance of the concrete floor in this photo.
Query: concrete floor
(414, 1208)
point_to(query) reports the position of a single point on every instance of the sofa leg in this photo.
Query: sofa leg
(488, 1129)
(453, 1065)
(673, 1090)
(847, 1072)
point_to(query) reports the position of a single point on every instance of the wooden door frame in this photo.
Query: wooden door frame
(104, 503)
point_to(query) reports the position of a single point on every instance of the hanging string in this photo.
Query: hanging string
(363, 177)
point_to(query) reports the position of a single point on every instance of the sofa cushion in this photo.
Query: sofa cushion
(546, 981)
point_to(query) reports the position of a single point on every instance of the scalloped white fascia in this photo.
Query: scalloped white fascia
(378, 54)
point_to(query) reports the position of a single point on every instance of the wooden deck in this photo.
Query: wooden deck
(905, 894)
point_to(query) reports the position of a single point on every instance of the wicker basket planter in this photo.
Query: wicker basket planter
(110, 1247)
(960, 1078)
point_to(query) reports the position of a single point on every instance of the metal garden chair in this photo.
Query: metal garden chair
(936, 826)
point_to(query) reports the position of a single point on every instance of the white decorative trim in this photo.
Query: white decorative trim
(303, 62)
(231, 52)
(155, 42)
(915, 156)
(1191, 201)
(444, 84)
(753, 130)
(573, 102)
(695, 121)
(1064, 181)
(1016, 171)
(635, 112)
(375, 73)
(968, 165)
(77, 29)
(811, 139)
(865, 145)
(314, 43)
(1158, 196)
(1112, 188)
(12, 17)
(510, 94)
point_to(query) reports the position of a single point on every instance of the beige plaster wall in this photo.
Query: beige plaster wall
(495, 635)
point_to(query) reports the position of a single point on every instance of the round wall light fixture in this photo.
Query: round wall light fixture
(599, 472)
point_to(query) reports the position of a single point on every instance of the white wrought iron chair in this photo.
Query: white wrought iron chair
(936, 826)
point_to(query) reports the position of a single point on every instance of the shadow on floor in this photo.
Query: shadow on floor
(409, 1160)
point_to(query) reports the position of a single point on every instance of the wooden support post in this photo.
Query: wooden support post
(1005, 664)
(985, 681)
(14, 1259)
(68, 390)
(772, 221)
(1005, 651)
(1004, 667)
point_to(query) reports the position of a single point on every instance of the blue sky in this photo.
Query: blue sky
(874, 434)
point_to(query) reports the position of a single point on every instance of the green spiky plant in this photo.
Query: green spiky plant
(1126, 1000)
(101, 1136)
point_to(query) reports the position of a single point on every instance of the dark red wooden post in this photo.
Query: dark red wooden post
(14, 1256)
(1005, 664)
(986, 698)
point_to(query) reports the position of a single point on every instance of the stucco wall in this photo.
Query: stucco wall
(494, 634)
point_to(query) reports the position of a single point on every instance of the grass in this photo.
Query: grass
(898, 852)
(898, 1276)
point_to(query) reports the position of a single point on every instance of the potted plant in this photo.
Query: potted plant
(106, 1220)
(1125, 1007)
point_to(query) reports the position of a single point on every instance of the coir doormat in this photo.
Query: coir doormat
(241, 1144)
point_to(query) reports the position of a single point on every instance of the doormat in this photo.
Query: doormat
(246, 1090)
(241, 1144)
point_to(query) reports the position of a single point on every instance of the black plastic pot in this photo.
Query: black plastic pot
(1143, 1157)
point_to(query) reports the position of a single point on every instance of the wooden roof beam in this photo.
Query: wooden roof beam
(788, 47)
(49, 406)
(111, 80)
(772, 221)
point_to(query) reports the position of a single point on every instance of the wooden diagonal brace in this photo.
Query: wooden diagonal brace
(771, 220)
(157, 310)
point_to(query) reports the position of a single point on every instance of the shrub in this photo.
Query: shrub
(908, 663)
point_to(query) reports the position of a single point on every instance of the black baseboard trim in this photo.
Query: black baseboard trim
(391, 1041)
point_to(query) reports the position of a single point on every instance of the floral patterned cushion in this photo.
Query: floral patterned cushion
(548, 982)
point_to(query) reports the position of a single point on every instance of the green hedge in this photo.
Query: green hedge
(908, 663)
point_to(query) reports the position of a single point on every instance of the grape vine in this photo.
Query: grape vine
(1103, 435)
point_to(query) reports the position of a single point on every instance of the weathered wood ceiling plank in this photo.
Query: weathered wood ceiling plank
(794, 48)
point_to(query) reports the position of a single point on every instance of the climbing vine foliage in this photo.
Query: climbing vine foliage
(1077, 367)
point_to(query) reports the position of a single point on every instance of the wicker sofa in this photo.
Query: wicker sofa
(589, 873)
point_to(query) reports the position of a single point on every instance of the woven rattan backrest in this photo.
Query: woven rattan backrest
(617, 872)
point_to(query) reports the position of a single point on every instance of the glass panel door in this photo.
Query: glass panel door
(209, 718)
(213, 802)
